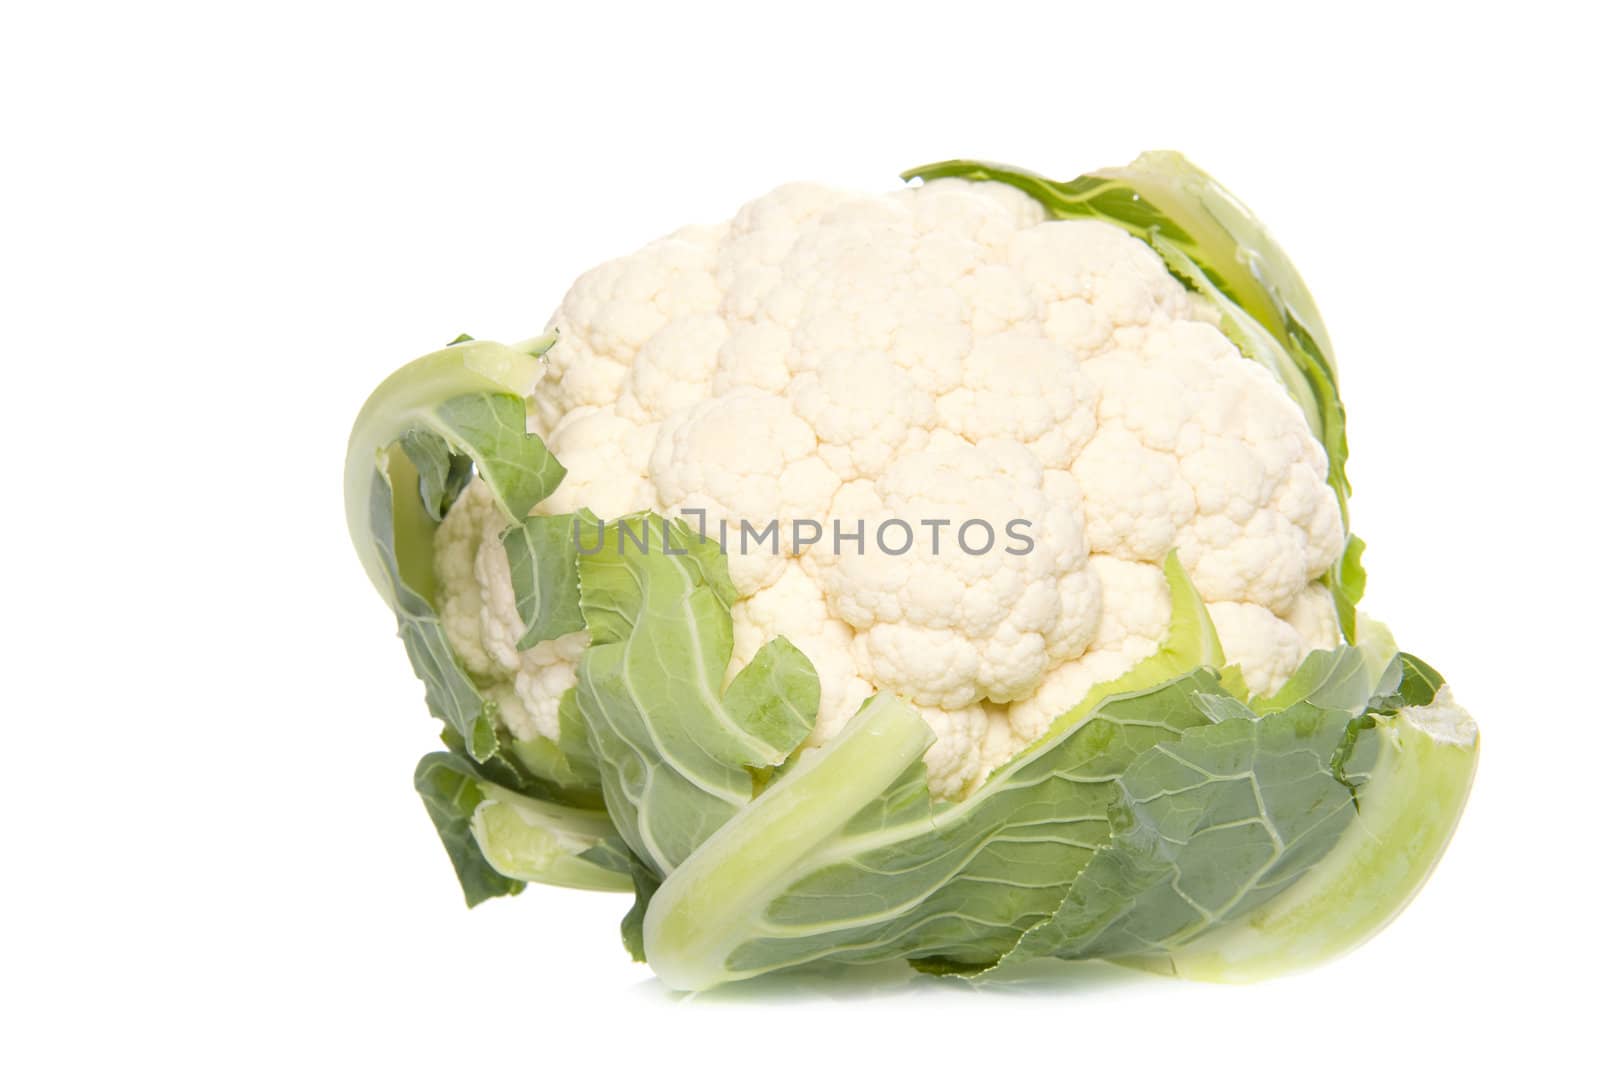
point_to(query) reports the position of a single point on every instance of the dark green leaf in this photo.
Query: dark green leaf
(1205, 828)
(441, 473)
(451, 695)
(645, 883)
(544, 574)
(450, 791)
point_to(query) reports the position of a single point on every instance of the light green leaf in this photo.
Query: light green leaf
(1343, 678)
(674, 752)
(498, 839)
(491, 428)
(1191, 643)
(573, 743)
(612, 556)
(1254, 340)
(847, 857)
(1168, 202)
(775, 697)
(543, 770)
(1348, 582)
(532, 840)
(464, 402)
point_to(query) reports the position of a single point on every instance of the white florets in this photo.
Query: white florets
(938, 353)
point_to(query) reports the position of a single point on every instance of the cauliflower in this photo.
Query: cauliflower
(938, 354)
(990, 596)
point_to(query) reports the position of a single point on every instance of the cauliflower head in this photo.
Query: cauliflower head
(949, 357)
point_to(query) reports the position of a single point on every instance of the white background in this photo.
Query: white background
(222, 226)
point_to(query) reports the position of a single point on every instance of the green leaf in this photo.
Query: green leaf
(491, 429)
(1407, 681)
(498, 839)
(543, 770)
(544, 574)
(1420, 684)
(645, 884)
(1191, 643)
(1348, 582)
(1335, 679)
(534, 840)
(1206, 826)
(573, 743)
(463, 403)
(1217, 247)
(452, 697)
(412, 450)
(451, 791)
(610, 853)
(442, 473)
(775, 697)
(674, 752)
(1342, 678)
(1254, 340)
(1422, 760)
(614, 554)
(846, 856)
(413, 444)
